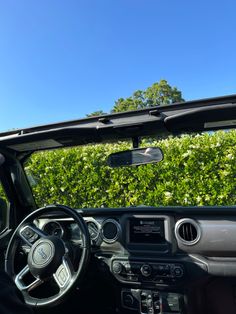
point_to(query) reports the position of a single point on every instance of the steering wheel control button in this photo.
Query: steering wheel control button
(28, 234)
(62, 276)
(42, 253)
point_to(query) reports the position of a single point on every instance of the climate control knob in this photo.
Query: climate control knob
(146, 270)
(117, 268)
(178, 271)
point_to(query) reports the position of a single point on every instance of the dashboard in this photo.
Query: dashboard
(205, 235)
(155, 248)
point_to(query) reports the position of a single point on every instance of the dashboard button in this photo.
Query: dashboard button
(117, 268)
(128, 299)
(128, 267)
(132, 278)
(146, 270)
(178, 271)
(163, 270)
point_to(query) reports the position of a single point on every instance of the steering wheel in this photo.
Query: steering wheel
(48, 257)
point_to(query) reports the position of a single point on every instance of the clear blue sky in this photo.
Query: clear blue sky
(60, 60)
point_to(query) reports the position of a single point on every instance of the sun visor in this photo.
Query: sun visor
(37, 145)
(203, 119)
(50, 139)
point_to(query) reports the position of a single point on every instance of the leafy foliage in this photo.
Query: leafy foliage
(196, 170)
(2, 195)
(96, 113)
(158, 94)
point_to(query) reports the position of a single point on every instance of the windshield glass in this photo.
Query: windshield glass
(197, 169)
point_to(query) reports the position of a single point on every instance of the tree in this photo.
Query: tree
(159, 94)
(96, 113)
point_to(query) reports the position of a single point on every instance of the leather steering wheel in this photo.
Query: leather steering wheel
(48, 257)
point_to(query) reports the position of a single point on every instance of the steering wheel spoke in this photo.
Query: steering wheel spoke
(64, 274)
(19, 280)
(30, 233)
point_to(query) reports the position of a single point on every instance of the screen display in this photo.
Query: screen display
(147, 231)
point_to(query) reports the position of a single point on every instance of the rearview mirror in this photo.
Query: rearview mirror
(135, 157)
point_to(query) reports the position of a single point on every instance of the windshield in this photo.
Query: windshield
(197, 169)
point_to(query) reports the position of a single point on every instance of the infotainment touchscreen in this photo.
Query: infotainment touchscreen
(146, 230)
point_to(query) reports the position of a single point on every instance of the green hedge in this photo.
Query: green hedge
(196, 170)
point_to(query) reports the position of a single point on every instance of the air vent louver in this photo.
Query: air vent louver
(110, 230)
(187, 231)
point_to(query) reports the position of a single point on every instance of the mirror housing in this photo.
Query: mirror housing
(135, 157)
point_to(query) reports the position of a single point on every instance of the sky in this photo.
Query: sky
(61, 60)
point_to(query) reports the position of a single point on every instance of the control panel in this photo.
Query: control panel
(157, 273)
(152, 302)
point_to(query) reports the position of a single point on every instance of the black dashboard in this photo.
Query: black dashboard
(155, 248)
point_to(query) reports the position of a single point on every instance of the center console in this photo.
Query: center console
(147, 273)
(149, 246)
(152, 302)
(149, 269)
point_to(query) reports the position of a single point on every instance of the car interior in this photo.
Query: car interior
(138, 259)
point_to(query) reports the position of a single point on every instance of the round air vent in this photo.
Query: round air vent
(187, 231)
(110, 230)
